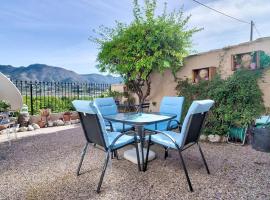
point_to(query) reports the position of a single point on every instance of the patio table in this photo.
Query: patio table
(139, 120)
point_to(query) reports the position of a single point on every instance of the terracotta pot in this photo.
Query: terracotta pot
(66, 117)
(42, 124)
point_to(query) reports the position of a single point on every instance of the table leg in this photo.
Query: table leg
(141, 135)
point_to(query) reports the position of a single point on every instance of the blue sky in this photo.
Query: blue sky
(56, 32)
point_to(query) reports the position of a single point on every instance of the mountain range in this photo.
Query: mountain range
(42, 72)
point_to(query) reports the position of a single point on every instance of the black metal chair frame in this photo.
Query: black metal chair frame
(98, 139)
(141, 107)
(169, 128)
(192, 137)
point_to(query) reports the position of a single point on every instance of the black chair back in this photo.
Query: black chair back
(92, 129)
(195, 126)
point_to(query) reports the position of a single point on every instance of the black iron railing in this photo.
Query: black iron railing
(57, 95)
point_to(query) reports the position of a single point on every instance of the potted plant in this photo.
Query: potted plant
(45, 115)
(4, 106)
(4, 119)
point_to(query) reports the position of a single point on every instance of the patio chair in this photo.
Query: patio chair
(95, 132)
(189, 135)
(107, 106)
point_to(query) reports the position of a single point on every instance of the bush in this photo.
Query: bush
(4, 106)
(238, 100)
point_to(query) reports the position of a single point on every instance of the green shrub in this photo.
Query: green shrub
(4, 106)
(238, 100)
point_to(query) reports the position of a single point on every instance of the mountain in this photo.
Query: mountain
(42, 72)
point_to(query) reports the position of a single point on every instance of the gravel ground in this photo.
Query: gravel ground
(43, 167)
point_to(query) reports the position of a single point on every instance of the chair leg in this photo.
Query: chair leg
(204, 161)
(82, 157)
(116, 154)
(185, 170)
(147, 152)
(103, 171)
(166, 154)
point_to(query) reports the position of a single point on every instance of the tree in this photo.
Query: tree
(149, 43)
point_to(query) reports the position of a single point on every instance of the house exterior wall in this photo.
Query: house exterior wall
(165, 84)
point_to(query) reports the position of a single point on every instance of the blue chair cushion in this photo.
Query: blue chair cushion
(166, 141)
(122, 141)
(168, 105)
(172, 105)
(106, 106)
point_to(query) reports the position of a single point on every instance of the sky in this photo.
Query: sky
(56, 32)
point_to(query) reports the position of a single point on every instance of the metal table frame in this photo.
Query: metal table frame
(123, 118)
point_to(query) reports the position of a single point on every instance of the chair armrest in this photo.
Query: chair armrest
(114, 141)
(173, 120)
(110, 123)
(167, 135)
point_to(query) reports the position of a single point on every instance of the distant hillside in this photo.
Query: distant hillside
(42, 72)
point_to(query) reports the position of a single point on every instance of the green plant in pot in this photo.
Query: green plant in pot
(4, 106)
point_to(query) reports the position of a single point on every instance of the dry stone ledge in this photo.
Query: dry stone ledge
(30, 128)
(214, 138)
(59, 122)
(35, 126)
(23, 129)
(203, 138)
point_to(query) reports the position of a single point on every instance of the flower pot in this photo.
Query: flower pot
(42, 124)
(66, 117)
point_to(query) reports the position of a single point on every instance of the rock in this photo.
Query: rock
(51, 124)
(58, 122)
(68, 123)
(203, 138)
(23, 129)
(30, 128)
(214, 138)
(75, 121)
(224, 139)
(35, 126)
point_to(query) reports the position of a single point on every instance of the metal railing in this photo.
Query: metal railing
(57, 95)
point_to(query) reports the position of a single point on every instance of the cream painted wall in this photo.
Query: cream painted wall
(164, 84)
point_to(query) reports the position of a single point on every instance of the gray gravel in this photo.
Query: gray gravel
(43, 167)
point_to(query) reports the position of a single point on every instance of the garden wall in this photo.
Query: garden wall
(221, 60)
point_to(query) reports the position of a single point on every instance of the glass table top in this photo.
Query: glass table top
(139, 118)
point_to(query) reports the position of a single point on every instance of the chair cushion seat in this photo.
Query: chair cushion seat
(122, 141)
(166, 141)
(162, 126)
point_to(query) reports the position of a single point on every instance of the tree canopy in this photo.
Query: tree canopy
(149, 43)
